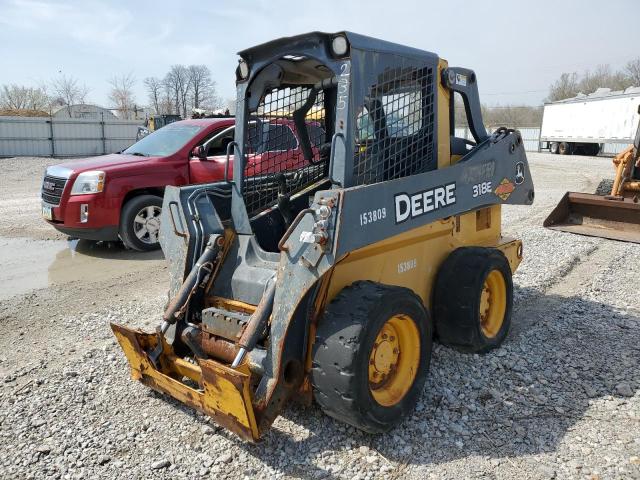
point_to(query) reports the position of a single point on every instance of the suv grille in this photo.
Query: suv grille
(52, 188)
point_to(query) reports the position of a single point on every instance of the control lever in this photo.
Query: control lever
(284, 202)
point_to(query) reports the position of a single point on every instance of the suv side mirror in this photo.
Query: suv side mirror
(199, 152)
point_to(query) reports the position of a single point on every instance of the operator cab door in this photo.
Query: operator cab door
(208, 159)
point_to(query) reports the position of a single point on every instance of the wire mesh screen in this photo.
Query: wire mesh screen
(274, 161)
(395, 127)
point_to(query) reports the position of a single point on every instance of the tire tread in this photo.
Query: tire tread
(459, 279)
(333, 375)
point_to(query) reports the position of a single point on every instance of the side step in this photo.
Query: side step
(615, 218)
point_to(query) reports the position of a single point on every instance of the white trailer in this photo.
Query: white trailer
(582, 124)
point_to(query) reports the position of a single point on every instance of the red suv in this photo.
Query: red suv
(119, 196)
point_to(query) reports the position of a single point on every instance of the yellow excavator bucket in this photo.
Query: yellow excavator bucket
(221, 392)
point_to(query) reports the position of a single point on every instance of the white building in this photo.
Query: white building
(83, 110)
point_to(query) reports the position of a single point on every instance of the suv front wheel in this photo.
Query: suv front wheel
(140, 223)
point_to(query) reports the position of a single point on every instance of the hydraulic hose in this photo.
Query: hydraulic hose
(257, 323)
(199, 272)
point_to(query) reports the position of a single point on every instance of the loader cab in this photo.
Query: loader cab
(354, 130)
(286, 98)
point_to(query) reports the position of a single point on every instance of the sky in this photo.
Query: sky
(516, 48)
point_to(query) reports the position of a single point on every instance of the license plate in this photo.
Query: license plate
(47, 212)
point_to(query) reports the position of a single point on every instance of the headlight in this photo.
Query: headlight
(243, 68)
(340, 46)
(88, 182)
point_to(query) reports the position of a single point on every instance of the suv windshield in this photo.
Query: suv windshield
(166, 141)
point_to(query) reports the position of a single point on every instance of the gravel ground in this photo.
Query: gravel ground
(558, 400)
(20, 183)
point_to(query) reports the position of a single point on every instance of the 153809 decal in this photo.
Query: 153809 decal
(372, 216)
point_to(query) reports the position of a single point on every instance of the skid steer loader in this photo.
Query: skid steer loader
(615, 216)
(327, 274)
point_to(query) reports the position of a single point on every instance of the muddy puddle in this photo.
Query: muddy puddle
(27, 264)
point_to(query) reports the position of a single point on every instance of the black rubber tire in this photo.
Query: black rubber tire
(456, 300)
(565, 148)
(553, 148)
(127, 216)
(344, 339)
(604, 187)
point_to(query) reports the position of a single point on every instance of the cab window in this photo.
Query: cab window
(269, 137)
(364, 126)
(216, 144)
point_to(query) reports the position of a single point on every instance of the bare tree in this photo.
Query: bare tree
(200, 79)
(154, 88)
(632, 69)
(83, 93)
(602, 77)
(167, 104)
(203, 88)
(231, 105)
(512, 116)
(68, 90)
(182, 89)
(50, 99)
(570, 84)
(13, 97)
(37, 99)
(18, 97)
(565, 87)
(172, 94)
(122, 95)
(178, 84)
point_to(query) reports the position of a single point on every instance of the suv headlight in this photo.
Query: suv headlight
(88, 182)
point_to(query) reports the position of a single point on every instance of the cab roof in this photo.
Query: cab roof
(356, 42)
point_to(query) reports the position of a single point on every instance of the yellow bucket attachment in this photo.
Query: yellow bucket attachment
(223, 392)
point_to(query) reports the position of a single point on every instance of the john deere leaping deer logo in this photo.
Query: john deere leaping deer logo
(505, 189)
(519, 173)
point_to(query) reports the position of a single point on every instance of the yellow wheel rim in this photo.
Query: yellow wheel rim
(493, 303)
(394, 360)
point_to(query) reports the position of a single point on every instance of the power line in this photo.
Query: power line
(511, 107)
(515, 93)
